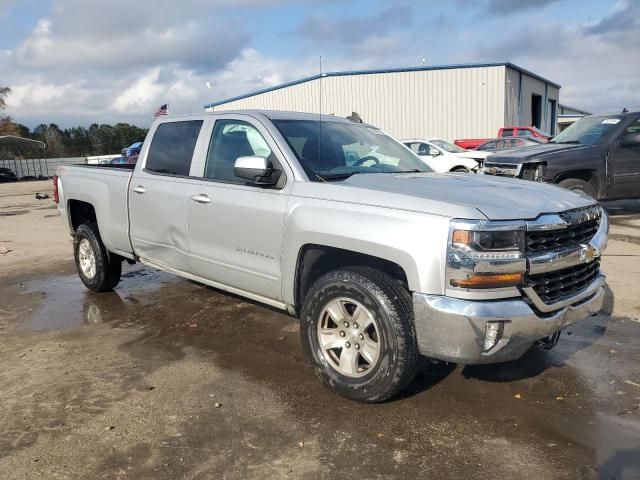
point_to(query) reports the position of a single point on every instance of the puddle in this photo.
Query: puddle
(67, 303)
(618, 447)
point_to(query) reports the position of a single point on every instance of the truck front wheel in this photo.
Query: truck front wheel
(357, 331)
(98, 270)
(578, 185)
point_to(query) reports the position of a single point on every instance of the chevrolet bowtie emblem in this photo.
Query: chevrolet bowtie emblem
(590, 253)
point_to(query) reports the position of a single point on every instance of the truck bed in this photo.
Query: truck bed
(105, 187)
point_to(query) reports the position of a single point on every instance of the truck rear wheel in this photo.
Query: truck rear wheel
(357, 331)
(578, 185)
(98, 270)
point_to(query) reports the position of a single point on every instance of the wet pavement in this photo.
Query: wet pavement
(128, 381)
(165, 379)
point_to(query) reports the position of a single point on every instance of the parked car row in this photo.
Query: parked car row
(443, 156)
(505, 132)
(598, 155)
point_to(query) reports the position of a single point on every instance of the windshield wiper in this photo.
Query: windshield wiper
(567, 142)
(335, 176)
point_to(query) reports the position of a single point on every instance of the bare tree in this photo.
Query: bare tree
(7, 127)
(4, 91)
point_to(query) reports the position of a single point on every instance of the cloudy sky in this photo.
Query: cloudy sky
(83, 61)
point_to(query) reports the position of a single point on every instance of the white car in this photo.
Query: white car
(443, 156)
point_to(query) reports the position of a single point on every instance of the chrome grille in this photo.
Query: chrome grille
(571, 236)
(562, 238)
(556, 286)
(577, 228)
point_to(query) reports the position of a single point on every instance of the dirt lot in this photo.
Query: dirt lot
(165, 378)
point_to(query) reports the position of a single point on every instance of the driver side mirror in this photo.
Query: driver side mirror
(434, 152)
(630, 140)
(255, 169)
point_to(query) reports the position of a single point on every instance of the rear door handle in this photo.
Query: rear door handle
(139, 189)
(201, 198)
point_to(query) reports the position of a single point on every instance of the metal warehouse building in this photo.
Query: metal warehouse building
(448, 101)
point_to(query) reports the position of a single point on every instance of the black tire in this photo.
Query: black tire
(460, 170)
(578, 185)
(390, 304)
(108, 266)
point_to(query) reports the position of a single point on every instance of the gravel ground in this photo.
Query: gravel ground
(165, 378)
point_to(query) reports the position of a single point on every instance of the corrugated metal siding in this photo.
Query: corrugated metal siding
(512, 88)
(516, 114)
(449, 104)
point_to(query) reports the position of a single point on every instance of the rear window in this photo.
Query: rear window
(172, 147)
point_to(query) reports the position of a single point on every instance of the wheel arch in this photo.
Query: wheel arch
(586, 175)
(314, 260)
(80, 212)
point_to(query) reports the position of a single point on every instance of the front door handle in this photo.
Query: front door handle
(139, 189)
(201, 198)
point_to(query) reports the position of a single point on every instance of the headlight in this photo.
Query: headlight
(533, 171)
(485, 255)
(487, 241)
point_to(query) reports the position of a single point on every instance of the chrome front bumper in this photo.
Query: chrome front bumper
(453, 329)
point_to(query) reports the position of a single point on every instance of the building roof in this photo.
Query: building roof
(14, 144)
(579, 110)
(383, 70)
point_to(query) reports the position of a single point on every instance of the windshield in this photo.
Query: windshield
(336, 150)
(448, 147)
(587, 131)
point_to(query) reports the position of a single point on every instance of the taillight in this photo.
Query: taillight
(56, 197)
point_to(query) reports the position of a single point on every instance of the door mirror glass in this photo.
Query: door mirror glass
(255, 169)
(630, 140)
(434, 152)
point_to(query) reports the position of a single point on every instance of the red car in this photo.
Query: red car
(471, 143)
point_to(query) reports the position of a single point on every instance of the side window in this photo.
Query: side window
(172, 147)
(508, 132)
(489, 145)
(633, 128)
(230, 140)
(523, 132)
(415, 146)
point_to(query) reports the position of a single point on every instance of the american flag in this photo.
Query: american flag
(161, 110)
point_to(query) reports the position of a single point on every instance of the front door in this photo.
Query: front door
(158, 196)
(625, 165)
(235, 227)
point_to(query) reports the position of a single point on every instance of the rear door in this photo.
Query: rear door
(159, 192)
(625, 163)
(235, 227)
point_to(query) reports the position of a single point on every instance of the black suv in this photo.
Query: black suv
(598, 155)
(7, 175)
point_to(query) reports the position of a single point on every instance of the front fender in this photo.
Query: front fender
(414, 241)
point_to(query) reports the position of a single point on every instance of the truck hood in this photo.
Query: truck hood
(536, 152)
(496, 198)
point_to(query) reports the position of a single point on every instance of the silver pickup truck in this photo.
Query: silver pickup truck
(341, 225)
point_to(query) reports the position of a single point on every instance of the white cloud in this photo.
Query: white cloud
(144, 91)
(101, 61)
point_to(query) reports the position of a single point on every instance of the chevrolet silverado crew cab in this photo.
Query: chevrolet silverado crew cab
(343, 226)
(598, 155)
